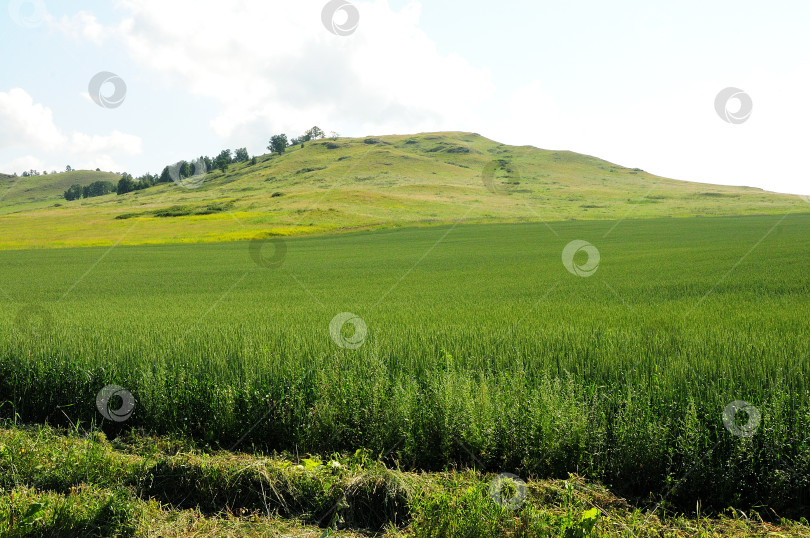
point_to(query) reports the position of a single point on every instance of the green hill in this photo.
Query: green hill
(365, 183)
(25, 193)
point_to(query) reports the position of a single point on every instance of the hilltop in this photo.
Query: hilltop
(341, 184)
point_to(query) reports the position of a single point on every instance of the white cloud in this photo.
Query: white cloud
(115, 142)
(21, 164)
(27, 125)
(82, 25)
(273, 65)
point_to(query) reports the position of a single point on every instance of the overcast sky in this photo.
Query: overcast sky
(633, 82)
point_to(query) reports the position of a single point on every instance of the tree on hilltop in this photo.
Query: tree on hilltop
(278, 143)
(242, 155)
(315, 133)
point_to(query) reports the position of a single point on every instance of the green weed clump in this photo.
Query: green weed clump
(85, 511)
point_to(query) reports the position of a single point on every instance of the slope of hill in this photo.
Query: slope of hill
(26, 193)
(374, 182)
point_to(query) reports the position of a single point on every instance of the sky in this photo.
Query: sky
(134, 85)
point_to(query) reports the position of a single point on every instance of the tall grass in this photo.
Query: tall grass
(487, 353)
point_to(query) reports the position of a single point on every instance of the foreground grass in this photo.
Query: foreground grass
(75, 483)
(91, 511)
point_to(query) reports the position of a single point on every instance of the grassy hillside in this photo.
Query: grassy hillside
(375, 182)
(29, 193)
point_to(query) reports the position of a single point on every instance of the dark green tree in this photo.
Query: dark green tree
(74, 192)
(278, 143)
(165, 176)
(242, 155)
(145, 181)
(223, 160)
(125, 184)
(199, 167)
(185, 169)
(314, 134)
(98, 188)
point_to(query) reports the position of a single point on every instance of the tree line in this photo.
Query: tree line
(180, 170)
(35, 173)
(279, 143)
(96, 188)
(186, 169)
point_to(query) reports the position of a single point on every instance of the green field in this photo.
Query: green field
(482, 350)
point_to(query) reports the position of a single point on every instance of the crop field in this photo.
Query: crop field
(666, 358)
